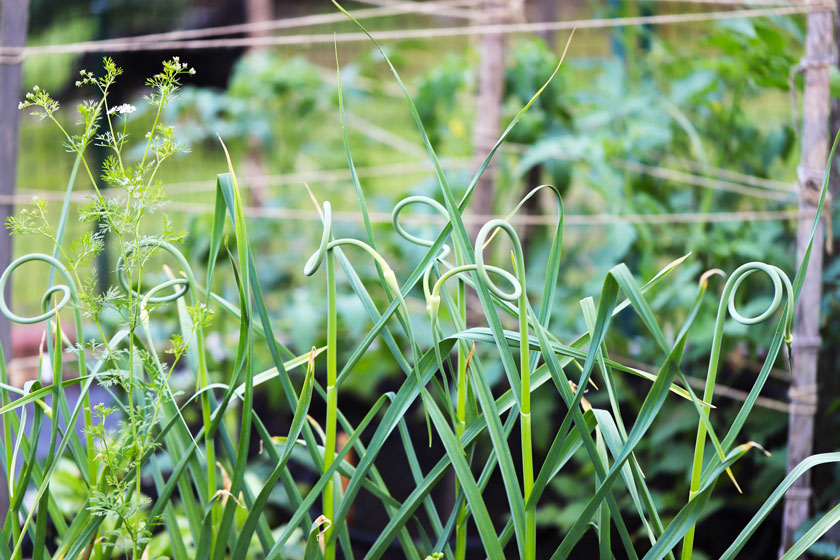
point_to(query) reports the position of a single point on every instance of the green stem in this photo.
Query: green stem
(154, 127)
(525, 412)
(9, 449)
(727, 300)
(325, 252)
(332, 404)
(519, 293)
(525, 425)
(463, 347)
(461, 411)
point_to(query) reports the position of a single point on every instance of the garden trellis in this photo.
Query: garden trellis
(815, 67)
(744, 185)
(738, 183)
(15, 55)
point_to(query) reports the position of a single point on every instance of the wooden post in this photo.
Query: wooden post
(806, 336)
(14, 20)
(830, 352)
(258, 11)
(488, 114)
(547, 11)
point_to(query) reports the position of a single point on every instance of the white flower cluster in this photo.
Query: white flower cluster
(124, 109)
(39, 98)
(181, 66)
(30, 98)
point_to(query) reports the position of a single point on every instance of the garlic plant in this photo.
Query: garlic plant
(196, 491)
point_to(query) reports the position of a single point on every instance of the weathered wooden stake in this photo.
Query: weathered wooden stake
(14, 19)
(488, 114)
(546, 11)
(806, 336)
(257, 11)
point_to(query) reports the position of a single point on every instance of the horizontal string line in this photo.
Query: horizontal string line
(431, 8)
(397, 34)
(258, 212)
(385, 170)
